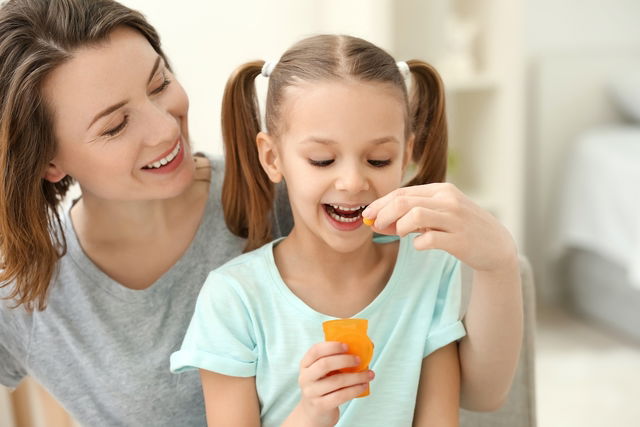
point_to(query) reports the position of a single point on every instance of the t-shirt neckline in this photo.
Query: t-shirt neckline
(115, 288)
(308, 311)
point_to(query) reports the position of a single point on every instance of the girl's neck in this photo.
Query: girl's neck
(331, 282)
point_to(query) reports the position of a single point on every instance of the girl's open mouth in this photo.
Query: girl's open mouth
(344, 214)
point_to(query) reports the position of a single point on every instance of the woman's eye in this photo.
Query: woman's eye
(379, 163)
(116, 130)
(321, 163)
(163, 86)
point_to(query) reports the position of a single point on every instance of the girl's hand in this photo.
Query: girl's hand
(447, 220)
(322, 391)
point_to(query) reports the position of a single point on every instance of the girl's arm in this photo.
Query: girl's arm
(230, 401)
(437, 402)
(450, 221)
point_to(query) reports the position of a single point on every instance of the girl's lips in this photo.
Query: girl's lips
(354, 223)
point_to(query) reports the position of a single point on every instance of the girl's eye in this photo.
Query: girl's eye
(379, 163)
(163, 86)
(321, 163)
(116, 130)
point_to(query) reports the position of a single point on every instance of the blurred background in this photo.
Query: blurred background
(544, 112)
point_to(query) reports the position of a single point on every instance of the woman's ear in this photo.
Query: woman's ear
(269, 157)
(53, 173)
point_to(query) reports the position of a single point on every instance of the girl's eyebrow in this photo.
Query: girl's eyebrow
(325, 141)
(117, 105)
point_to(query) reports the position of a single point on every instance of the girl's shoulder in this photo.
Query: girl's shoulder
(245, 272)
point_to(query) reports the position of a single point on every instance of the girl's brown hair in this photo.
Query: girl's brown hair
(36, 36)
(247, 193)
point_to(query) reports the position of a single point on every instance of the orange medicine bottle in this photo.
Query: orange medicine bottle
(352, 332)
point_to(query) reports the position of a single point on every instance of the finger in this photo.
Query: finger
(419, 220)
(322, 349)
(338, 397)
(425, 190)
(325, 365)
(433, 239)
(339, 381)
(401, 205)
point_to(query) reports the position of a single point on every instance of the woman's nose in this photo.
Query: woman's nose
(162, 126)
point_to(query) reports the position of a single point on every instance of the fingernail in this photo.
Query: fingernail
(345, 347)
(372, 374)
(356, 360)
(365, 212)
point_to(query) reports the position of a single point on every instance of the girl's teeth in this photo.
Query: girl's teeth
(343, 208)
(343, 219)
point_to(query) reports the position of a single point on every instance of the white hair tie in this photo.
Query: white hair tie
(268, 67)
(404, 69)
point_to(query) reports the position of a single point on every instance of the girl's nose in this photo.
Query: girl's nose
(352, 179)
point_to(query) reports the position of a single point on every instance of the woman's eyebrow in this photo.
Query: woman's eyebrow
(117, 105)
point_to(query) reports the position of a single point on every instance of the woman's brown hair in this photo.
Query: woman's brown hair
(247, 193)
(36, 36)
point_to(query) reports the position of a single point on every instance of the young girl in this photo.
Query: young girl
(340, 131)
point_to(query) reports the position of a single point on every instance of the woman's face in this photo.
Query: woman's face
(120, 121)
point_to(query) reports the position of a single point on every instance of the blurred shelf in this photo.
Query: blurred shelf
(469, 84)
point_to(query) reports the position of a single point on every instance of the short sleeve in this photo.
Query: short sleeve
(14, 338)
(11, 370)
(446, 326)
(220, 337)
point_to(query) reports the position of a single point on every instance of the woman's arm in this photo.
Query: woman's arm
(437, 402)
(448, 220)
(489, 352)
(230, 401)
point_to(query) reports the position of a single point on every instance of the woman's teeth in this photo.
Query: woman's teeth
(167, 159)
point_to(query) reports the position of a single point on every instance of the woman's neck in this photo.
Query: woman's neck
(137, 242)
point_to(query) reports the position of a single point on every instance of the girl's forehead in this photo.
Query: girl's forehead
(345, 105)
(343, 110)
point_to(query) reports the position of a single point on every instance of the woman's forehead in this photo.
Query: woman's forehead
(99, 75)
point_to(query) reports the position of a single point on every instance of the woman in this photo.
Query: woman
(98, 297)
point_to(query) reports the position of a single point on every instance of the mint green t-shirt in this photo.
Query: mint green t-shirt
(247, 322)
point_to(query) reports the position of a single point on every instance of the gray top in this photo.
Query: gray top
(103, 349)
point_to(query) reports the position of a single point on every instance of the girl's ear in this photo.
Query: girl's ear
(269, 157)
(408, 151)
(54, 173)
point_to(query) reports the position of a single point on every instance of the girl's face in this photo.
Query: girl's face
(118, 114)
(342, 146)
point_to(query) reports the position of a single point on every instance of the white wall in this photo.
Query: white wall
(205, 41)
(559, 26)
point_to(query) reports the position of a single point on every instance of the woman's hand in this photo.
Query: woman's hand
(322, 390)
(447, 220)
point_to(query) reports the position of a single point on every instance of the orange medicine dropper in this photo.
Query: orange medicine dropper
(352, 332)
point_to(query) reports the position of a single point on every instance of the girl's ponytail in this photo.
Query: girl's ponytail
(247, 192)
(427, 112)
